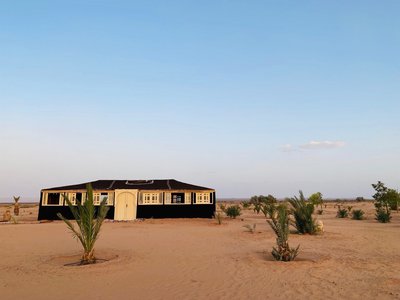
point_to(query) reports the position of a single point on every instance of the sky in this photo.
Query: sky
(246, 97)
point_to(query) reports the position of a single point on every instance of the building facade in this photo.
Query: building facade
(133, 199)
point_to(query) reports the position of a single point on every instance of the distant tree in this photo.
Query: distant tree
(316, 199)
(260, 201)
(382, 203)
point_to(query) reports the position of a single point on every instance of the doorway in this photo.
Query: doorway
(125, 205)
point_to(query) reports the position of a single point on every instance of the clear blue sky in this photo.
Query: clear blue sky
(247, 97)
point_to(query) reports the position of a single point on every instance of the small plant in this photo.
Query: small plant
(222, 207)
(342, 212)
(250, 228)
(357, 214)
(89, 223)
(16, 205)
(320, 211)
(233, 211)
(349, 208)
(280, 226)
(302, 212)
(218, 217)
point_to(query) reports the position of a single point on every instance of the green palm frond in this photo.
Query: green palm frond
(88, 221)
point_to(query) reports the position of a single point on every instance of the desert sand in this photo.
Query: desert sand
(198, 259)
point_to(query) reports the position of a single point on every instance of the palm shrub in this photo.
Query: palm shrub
(280, 225)
(233, 211)
(357, 214)
(342, 212)
(268, 209)
(89, 223)
(302, 212)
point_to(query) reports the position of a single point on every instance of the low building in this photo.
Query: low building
(133, 199)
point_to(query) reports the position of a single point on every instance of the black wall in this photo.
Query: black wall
(143, 211)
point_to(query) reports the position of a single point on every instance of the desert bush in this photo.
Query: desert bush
(360, 199)
(246, 204)
(233, 211)
(302, 212)
(349, 208)
(250, 228)
(342, 212)
(382, 215)
(393, 199)
(320, 211)
(218, 217)
(357, 214)
(280, 226)
(382, 202)
(89, 223)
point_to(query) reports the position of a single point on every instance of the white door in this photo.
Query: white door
(125, 205)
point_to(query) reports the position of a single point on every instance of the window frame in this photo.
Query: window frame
(199, 196)
(150, 194)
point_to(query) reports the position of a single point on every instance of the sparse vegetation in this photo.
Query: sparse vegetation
(302, 211)
(89, 223)
(357, 214)
(233, 211)
(360, 199)
(320, 211)
(280, 226)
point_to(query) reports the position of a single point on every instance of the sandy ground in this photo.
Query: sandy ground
(198, 259)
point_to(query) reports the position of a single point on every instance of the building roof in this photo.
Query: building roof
(156, 184)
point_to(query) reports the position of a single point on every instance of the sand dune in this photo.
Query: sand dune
(197, 259)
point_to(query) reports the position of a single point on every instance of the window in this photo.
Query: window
(203, 198)
(178, 198)
(52, 199)
(150, 198)
(71, 197)
(99, 197)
